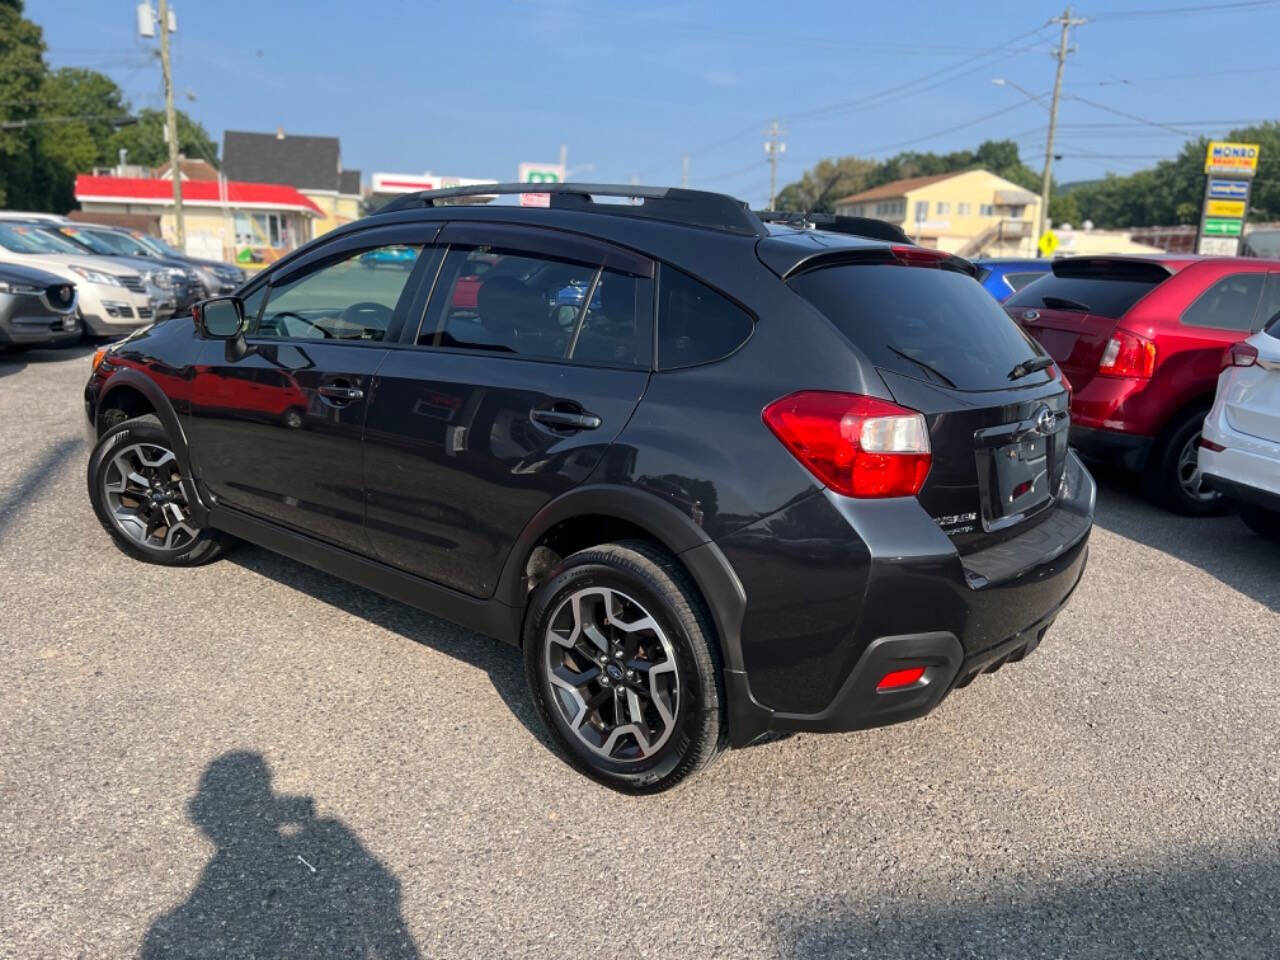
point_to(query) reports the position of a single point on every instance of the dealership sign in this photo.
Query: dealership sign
(538, 173)
(1236, 159)
(1228, 189)
(413, 182)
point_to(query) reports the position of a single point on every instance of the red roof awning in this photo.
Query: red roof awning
(202, 193)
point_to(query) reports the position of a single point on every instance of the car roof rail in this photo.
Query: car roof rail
(867, 227)
(698, 208)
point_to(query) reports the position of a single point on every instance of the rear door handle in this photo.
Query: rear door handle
(565, 420)
(340, 392)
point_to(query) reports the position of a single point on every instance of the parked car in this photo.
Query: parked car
(37, 308)
(1240, 445)
(111, 299)
(1002, 276)
(831, 485)
(181, 279)
(216, 277)
(403, 257)
(1141, 340)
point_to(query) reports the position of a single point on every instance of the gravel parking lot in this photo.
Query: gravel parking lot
(256, 759)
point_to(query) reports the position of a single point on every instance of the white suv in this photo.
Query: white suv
(1240, 443)
(113, 299)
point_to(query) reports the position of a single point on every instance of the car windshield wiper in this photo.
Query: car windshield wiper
(1064, 303)
(922, 365)
(1028, 367)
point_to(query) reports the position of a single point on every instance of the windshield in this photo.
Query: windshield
(19, 238)
(156, 244)
(106, 242)
(926, 323)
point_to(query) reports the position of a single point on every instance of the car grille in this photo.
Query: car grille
(132, 281)
(144, 313)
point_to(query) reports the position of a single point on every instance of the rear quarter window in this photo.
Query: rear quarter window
(1228, 304)
(922, 322)
(1104, 296)
(695, 323)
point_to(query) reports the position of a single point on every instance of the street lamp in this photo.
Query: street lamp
(1038, 98)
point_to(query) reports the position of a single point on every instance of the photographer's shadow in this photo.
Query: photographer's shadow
(282, 883)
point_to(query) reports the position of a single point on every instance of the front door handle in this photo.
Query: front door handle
(565, 420)
(340, 392)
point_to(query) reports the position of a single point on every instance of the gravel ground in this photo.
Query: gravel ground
(256, 759)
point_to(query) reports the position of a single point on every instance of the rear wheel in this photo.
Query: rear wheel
(136, 487)
(1173, 479)
(1261, 521)
(623, 665)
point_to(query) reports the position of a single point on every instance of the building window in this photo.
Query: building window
(1016, 212)
(944, 208)
(922, 210)
(963, 209)
(263, 230)
(986, 210)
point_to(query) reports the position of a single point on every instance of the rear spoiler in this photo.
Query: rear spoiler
(1111, 268)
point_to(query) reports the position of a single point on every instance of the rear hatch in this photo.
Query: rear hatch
(1251, 395)
(997, 416)
(1074, 310)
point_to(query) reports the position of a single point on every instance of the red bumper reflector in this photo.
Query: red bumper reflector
(896, 679)
(1210, 445)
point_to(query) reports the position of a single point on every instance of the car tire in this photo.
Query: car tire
(136, 488)
(1264, 522)
(624, 668)
(1172, 480)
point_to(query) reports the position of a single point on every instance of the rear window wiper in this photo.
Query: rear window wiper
(924, 366)
(1064, 303)
(1028, 367)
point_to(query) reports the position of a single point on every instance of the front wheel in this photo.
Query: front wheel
(1265, 523)
(623, 665)
(135, 486)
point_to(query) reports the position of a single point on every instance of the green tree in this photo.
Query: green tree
(81, 106)
(146, 144)
(22, 70)
(1063, 209)
(826, 183)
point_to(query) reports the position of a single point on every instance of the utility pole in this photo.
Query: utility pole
(1061, 56)
(564, 160)
(684, 170)
(772, 148)
(171, 126)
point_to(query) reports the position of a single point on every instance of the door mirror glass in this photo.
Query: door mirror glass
(220, 318)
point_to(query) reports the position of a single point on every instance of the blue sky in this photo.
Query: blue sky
(471, 89)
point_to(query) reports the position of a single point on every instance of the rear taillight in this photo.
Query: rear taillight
(1128, 355)
(858, 446)
(1239, 355)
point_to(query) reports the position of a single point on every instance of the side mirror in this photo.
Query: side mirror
(221, 318)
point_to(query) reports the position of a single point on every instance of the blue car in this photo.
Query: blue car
(390, 257)
(1001, 276)
(571, 295)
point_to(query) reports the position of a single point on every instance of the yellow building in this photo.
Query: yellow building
(973, 213)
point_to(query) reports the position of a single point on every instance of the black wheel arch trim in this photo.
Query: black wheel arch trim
(163, 407)
(676, 531)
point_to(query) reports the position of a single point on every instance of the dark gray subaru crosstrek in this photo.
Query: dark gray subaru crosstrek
(718, 476)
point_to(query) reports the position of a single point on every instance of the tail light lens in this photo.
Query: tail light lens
(1239, 355)
(858, 446)
(1128, 355)
(919, 256)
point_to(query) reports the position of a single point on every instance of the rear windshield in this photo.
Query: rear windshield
(931, 324)
(1103, 296)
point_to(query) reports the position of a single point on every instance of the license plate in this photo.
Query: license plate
(1020, 466)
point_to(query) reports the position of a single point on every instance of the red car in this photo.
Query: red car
(1141, 339)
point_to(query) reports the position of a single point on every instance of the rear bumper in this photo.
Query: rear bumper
(1243, 492)
(1126, 450)
(825, 621)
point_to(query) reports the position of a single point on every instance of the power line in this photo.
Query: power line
(1130, 116)
(1184, 11)
(1182, 76)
